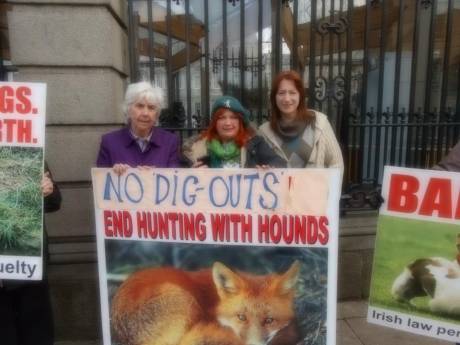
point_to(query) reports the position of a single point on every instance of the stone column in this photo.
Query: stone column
(79, 48)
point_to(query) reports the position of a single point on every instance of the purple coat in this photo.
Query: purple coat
(120, 147)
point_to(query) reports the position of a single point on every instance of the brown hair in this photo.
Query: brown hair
(303, 112)
(242, 137)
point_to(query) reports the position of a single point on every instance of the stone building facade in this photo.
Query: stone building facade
(80, 49)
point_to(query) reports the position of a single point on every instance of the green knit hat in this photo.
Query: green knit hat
(229, 102)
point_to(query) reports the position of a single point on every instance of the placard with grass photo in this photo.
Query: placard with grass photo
(22, 137)
(416, 273)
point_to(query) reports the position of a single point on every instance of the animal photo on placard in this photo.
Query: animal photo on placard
(437, 278)
(424, 278)
(217, 295)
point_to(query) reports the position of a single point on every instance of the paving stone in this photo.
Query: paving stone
(345, 335)
(351, 309)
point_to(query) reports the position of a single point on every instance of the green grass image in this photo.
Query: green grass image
(399, 242)
(20, 201)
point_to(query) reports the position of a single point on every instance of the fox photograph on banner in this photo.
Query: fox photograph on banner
(416, 274)
(217, 256)
(22, 140)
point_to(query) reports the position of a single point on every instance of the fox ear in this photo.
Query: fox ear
(226, 281)
(288, 279)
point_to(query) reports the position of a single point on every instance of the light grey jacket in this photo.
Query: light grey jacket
(326, 151)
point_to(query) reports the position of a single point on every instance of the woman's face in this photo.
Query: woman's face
(143, 116)
(287, 99)
(228, 125)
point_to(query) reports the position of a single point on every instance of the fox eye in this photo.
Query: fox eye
(241, 317)
(268, 320)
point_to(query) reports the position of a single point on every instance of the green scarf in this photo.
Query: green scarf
(221, 154)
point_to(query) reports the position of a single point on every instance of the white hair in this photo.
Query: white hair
(142, 90)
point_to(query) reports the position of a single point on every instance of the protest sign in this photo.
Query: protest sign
(416, 274)
(22, 138)
(249, 256)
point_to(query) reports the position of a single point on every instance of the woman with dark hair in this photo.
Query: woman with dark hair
(229, 141)
(303, 137)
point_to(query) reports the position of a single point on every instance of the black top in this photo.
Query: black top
(260, 153)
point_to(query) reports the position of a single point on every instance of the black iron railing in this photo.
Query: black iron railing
(387, 73)
(376, 141)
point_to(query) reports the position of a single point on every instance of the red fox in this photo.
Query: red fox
(168, 306)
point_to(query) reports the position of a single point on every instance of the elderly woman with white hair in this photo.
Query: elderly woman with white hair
(140, 143)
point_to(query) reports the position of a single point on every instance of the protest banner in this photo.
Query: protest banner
(416, 275)
(22, 139)
(249, 256)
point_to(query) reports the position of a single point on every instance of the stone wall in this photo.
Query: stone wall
(79, 48)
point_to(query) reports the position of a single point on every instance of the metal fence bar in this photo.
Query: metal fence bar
(188, 77)
(339, 43)
(348, 63)
(371, 126)
(349, 144)
(169, 83)
(403, 130)
(447, 45)
(331, 62)
(364, 82)
(425, 154)
(295, 38)
(224, 47)
(321, 56)
(312, 58)
(259, 58)
(3, 71)
(397, 77)
(410, 155)
(242, 61)
(277, 43)
(383, 41)
(435, 130)
(151, 42)
(421, 120)
(206, 63)
(457, 105)
(429, 65)
(445, 77)
(339, 77)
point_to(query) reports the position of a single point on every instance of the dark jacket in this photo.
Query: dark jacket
(260, 153)
(451, 162)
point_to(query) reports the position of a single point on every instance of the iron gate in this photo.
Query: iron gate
(385, 72)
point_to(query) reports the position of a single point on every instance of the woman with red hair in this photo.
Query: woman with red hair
(229, 141)
(303, 137)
